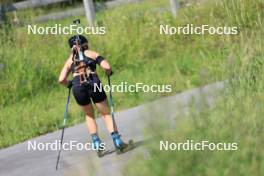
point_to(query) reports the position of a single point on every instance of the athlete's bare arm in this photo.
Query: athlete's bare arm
(65, 71)
(104, 64)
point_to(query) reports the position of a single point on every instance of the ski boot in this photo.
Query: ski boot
(121, 146)
(97, 145)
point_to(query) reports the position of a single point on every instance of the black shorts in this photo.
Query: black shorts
(85, 92)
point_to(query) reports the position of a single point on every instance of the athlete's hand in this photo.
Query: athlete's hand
(69, 84)
(108, 72)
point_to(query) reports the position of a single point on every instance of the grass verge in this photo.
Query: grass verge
(236, 118)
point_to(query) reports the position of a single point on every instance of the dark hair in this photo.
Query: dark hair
(72, 41)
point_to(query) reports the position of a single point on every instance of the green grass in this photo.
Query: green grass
(236, 118)
(32, 102)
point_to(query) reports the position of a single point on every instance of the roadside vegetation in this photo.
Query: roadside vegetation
(236, 118)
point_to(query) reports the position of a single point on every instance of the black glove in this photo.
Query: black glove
(69, 84)
(111, 73)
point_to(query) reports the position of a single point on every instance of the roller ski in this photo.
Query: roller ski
(120, 146)
(101, 153)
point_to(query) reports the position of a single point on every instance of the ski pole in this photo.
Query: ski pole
(111, 104)
(63, 127)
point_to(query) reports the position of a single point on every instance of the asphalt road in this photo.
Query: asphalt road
(17, 160)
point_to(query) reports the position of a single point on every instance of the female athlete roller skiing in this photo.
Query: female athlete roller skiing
(82, 63)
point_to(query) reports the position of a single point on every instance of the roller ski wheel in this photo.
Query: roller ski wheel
(100, 153)
(124, 147)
